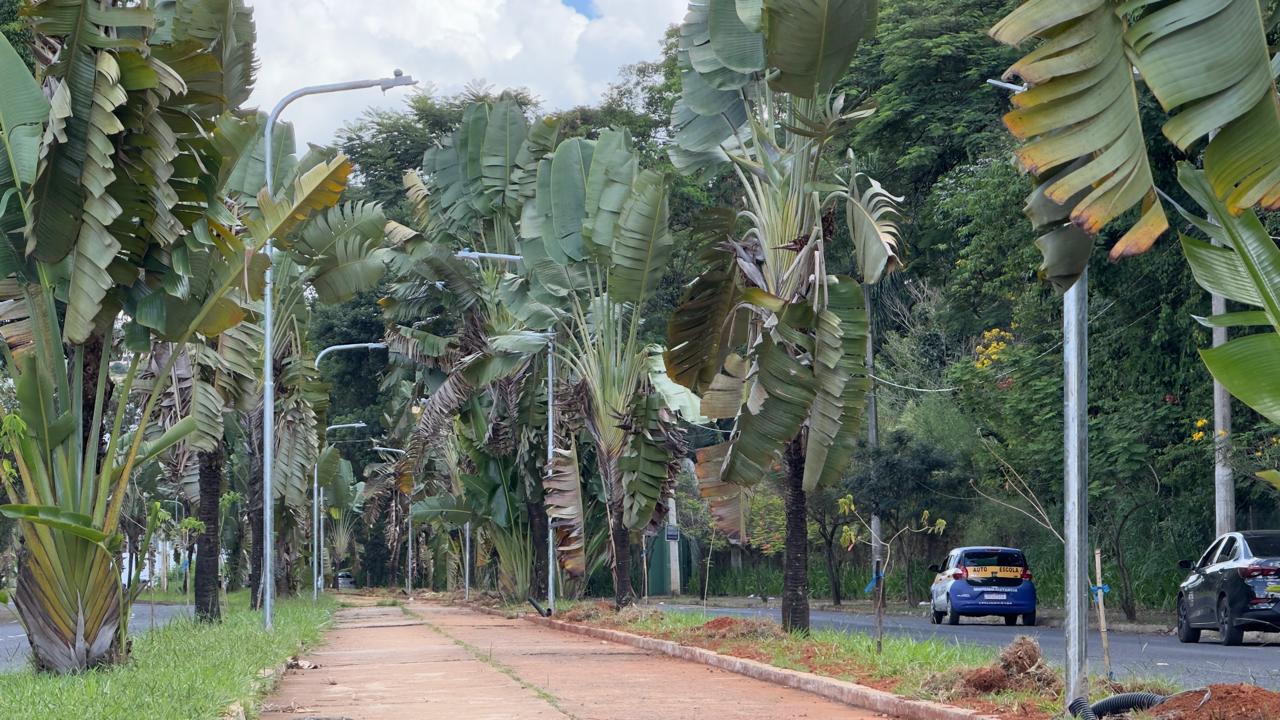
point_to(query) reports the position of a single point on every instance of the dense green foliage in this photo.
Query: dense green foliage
(968, 339)
(15, 29)
(184, 671)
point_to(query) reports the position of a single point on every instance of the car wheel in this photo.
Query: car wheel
(1029, 619)
(1010, 619)
(1186, 633)
(953, 617)
(935, 616)
(1231, 633)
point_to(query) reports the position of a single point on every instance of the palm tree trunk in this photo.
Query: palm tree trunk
(538, 529)
(255, 532)
(795, 566)
(209, 542)
(235, 551)
(95, 353)
(833, 570)
(253, 448)
(619, 538)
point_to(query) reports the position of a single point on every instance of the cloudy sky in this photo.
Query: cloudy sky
(566, 51)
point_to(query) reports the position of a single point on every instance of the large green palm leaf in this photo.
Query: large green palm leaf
(1083, 105)
(1246, 270)
(812, 42)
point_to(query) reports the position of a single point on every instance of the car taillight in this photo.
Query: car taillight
(1026, 574)
(1255, 571)
(960, 574)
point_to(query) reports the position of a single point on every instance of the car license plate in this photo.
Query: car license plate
(996, 596)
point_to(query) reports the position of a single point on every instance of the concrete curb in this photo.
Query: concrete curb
(858, 696)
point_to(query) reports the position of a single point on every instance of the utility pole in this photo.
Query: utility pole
(1075, 363)
(673, 545)
(873, 443)
(399, 79)
(1224, 484)
(551, 444)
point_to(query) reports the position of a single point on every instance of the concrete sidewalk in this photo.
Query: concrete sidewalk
(439, 661)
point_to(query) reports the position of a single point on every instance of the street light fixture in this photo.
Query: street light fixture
(317, 524)
(398, 79)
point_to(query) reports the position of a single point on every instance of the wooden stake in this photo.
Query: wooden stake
(1102, 614)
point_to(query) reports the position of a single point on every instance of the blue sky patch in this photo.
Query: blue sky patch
(584, 7)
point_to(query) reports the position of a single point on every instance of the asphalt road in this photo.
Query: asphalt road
(1132, 655)
(14, 649)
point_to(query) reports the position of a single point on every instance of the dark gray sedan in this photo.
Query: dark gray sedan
(1233, 587)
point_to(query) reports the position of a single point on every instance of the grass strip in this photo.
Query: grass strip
(183, 671)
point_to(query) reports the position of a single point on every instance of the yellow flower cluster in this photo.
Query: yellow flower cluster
(1201, 423)
(994, 342)
(1198, 435)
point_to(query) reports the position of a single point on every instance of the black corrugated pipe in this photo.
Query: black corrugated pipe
(1080, 708)
(1120, 704)
(1115, 705)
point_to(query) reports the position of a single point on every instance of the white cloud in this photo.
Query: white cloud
(559, 54)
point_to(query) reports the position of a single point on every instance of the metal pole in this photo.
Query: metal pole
(321, 554)
(349, 346)
(1224, 484)
(315, 533)
(408, 576)
(551, 434)
(268, 321)
(673, 547)
(473, 255)
(1075, 361)
(873, 442)
(466, 561)
(644, 566)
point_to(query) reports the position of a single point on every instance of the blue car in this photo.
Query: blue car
(983, 581)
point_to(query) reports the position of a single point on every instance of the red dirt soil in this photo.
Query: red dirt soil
(720, 624)
(1221, 702)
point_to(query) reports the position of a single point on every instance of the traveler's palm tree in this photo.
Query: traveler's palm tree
(769, 335)
(104, 201)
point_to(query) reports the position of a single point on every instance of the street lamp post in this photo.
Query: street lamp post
(317, 525)
(399, 79)
(1075, 488)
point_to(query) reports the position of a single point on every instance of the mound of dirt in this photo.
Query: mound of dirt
(1022, 657)
(727, 628)
(1221, 702)
(1021, 667)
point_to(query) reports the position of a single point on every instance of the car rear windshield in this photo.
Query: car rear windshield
(1264, 545)
(989, 558)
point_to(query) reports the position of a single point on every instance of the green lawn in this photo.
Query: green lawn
(183, 671)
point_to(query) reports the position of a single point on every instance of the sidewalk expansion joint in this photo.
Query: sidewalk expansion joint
(488, 659)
